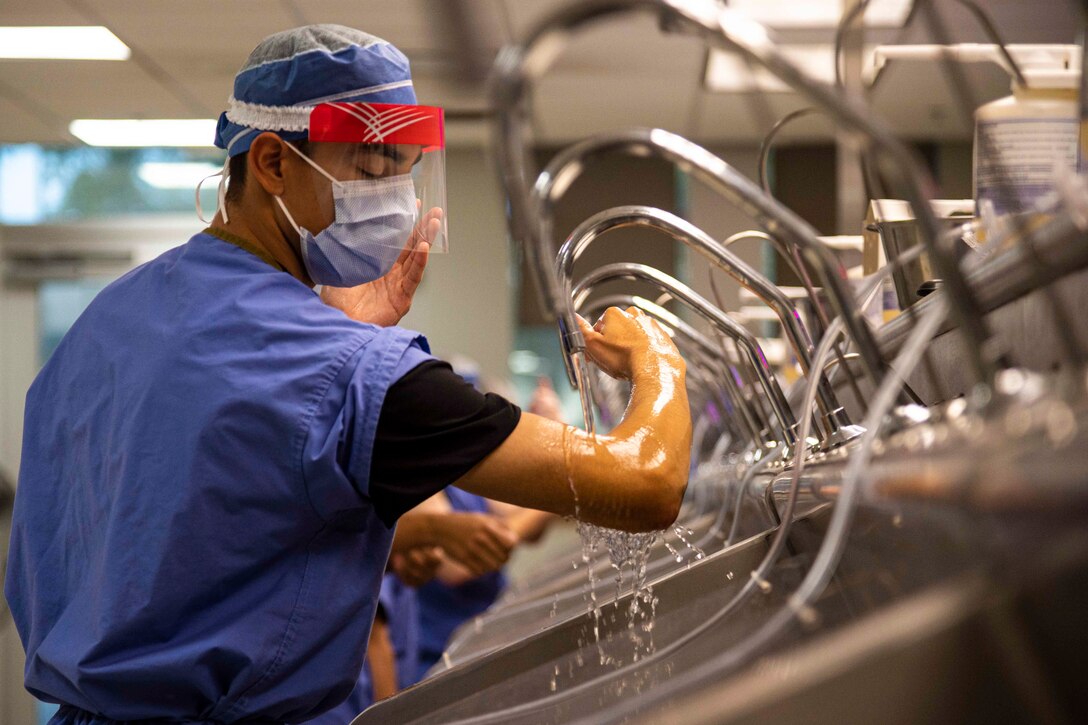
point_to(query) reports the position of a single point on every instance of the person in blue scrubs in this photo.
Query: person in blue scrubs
(443, 607)
(446, 602)
(392, 650)
(216, 456)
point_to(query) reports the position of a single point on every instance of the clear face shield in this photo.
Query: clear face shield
(387, 168)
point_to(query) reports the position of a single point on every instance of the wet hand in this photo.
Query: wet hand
(386, 300)
(623, 341)
(479, 542)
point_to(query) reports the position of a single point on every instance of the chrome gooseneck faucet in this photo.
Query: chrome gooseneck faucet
(744, 339)
(837, 424)
(695, 344)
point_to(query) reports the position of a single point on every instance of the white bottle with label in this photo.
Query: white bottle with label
(1022, 141)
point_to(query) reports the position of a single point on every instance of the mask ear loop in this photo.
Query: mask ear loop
(298, 230)
(221, 194)
(320, 170)
(286, 213)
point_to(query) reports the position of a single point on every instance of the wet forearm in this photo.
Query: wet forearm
(634, 477)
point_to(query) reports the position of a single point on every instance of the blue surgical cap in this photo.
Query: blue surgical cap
(291, 72)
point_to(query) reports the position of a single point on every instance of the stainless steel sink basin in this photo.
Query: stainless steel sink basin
(568, 652)
(562, 597)
(557, 675)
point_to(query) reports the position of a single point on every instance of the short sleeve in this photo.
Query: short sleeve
(339, 433)
(434, 427)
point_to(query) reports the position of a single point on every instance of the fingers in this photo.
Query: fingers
(425, 231)
(425, 557)
(476, 562)
(489, 545)
(460, 542)
(494, 548)
(417, 566)
(415, 266)
(434, 226)
(614, 315)
(423, 563)
(586, 328)
(428, 227)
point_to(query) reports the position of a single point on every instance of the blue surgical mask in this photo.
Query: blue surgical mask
(372, 223)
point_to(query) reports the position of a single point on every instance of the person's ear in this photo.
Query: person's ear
(266, 162)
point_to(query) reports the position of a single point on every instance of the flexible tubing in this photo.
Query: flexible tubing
(757, 576)
(800, 602)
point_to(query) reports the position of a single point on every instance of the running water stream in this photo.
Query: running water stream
(629, 555)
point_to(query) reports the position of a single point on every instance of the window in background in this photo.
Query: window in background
(60, 303)
(44, 184)
(536, 353)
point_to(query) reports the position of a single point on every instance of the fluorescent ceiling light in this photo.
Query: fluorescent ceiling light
(175, 175)
(157, 132)
(92, 42)
(729, 73)
(819, 13)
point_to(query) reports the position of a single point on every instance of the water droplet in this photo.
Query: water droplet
(628, 555)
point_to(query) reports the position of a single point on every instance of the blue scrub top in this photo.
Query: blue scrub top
(399, 604)
(193, 532)
(443, 608)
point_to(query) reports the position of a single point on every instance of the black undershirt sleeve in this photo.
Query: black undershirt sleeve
(432, 429)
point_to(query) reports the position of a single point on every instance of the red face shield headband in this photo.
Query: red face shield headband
(379, 123)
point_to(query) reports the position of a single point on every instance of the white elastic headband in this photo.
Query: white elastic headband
(292, 118)
(268, 118)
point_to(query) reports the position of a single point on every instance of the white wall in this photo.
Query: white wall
(719, 218)
(18, 365)
(466, 303)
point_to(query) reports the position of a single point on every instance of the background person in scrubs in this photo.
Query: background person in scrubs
(215, 457)
(454, 594)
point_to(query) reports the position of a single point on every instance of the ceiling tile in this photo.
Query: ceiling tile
(22, 126)
(92, 89)
(223, 32)
(614, 74)
(406, 23)
(740, 116)
(40, 12)
(573, 106)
